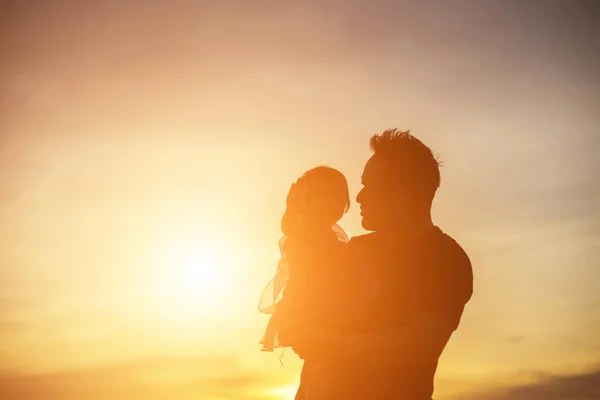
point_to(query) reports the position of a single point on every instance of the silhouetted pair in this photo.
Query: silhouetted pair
(370, 316)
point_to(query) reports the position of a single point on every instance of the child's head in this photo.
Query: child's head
(327, 193)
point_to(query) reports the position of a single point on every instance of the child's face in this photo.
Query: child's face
(324, 204)
(324, 193)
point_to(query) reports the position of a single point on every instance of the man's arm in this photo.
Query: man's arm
(445, 291)
(422, 342)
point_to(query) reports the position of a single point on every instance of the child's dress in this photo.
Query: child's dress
(308, 269)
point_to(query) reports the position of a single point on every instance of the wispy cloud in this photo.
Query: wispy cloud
(584, 386)
(151, 379)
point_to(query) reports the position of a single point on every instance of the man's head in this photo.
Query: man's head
(399, 181)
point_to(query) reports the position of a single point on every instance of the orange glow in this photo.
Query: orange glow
(146, 151)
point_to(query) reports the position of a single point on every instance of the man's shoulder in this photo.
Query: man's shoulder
(451, 250)
(361, 239)
(364, 242)
(453, 265)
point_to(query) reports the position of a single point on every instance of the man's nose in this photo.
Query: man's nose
(359, 196)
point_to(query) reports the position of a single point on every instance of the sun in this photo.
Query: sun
(198, 272)
(197, 278)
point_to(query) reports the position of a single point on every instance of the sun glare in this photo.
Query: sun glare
(198, 272)
(284, 392)
(197, 279)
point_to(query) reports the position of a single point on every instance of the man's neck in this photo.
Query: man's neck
(410, 230)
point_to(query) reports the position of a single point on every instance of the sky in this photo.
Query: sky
(146, 149)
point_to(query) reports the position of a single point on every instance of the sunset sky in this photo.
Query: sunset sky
(147, 147)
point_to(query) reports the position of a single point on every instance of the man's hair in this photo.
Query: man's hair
(410, 162)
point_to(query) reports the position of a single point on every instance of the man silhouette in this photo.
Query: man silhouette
(416, 278)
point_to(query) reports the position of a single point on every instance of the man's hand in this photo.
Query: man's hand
(306, 339)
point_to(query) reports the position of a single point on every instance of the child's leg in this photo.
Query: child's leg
(305, 375)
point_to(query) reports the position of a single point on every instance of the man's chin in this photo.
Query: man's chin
(368, 224)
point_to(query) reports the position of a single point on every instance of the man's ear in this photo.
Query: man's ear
(413, 199)
(402, 198)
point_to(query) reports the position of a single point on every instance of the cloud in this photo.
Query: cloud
(14, 305)
(150, 379)
(585, 386)
(10, 311)
(515, 339)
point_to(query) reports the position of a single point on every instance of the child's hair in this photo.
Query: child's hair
(329, 188)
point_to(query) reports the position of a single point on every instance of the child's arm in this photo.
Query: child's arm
(289, 223)
(294, 220)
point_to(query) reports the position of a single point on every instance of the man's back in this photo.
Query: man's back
(431, 274)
